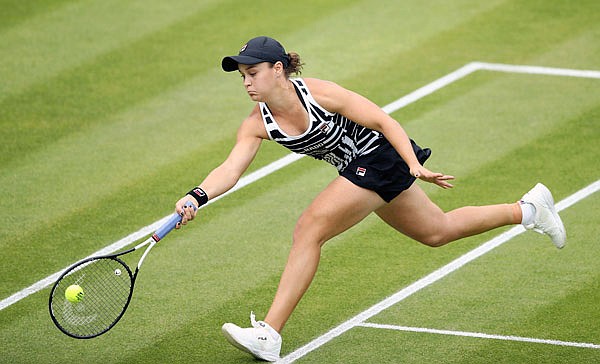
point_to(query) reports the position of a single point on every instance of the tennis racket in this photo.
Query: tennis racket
(107, 286)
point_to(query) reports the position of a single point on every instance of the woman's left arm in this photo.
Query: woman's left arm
(364, 112)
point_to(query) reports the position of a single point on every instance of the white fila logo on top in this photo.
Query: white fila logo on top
(361, 171)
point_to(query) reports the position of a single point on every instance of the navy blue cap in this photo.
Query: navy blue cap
(257, 50)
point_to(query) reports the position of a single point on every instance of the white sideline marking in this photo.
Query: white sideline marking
(290, 158)
(244, 181)
(118, 245)
(536, 70)
(481, 335)
(430, 278)
(432, 87)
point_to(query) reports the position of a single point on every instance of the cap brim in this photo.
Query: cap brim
(231, 63)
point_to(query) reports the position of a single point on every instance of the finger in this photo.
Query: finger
(185, 217)
(431, 176)
(190, 213)
(444, 184)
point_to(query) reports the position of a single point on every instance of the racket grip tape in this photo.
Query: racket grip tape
(170, 224)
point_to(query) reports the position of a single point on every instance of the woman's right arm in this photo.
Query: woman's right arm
(225, 176)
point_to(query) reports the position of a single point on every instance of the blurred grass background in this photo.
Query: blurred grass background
(110, 110)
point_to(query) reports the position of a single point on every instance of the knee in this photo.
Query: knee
(439, 234)
(308, 231)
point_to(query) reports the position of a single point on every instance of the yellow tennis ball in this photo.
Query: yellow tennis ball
(74, 293)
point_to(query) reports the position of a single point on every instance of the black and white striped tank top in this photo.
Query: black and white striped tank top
(330, 136)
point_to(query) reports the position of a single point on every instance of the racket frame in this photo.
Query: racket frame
(82, 264)
(151, 241)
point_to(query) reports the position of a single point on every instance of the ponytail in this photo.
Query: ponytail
(295, 64)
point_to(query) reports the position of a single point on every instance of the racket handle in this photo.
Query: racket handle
(170, 224)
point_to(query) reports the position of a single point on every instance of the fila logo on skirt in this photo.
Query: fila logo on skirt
(360, 171)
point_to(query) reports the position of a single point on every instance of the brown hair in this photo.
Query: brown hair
(295, 65)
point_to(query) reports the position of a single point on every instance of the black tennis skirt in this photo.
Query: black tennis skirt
(383, 170)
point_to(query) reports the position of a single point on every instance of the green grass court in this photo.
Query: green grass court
(111, 110)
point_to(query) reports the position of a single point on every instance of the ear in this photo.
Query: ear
(279, 69)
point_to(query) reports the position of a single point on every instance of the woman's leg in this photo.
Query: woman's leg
(415, 215)
(340, 206)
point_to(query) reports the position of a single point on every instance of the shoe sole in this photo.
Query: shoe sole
(234, 342)
(548, 202)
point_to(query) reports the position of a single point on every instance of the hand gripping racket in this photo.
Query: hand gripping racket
(107, 286)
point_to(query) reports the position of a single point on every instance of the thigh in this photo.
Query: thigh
(414, 214)
(338, 207)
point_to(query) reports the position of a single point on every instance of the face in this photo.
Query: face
(260, 79)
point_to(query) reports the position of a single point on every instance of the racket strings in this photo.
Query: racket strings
(106, 284)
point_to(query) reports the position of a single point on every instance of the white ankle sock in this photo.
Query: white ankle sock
(528, 212)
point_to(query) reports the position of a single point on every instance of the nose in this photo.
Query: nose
(247, 81)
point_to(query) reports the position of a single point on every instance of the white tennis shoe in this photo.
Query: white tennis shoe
(546, 219)
(260, 340)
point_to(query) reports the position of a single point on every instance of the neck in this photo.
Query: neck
(284, 97)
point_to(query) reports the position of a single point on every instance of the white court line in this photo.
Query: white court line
(432, 87)
(430, 279)
(244, 181)
(290, 158)
(481, 335)
(118, 245)
(483, 249)
(536, 70)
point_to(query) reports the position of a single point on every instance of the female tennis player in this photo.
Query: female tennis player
(377, 165)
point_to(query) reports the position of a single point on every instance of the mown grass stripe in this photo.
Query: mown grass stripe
(244, 181)
(89, 28)
(390, 108)
(17, 11)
